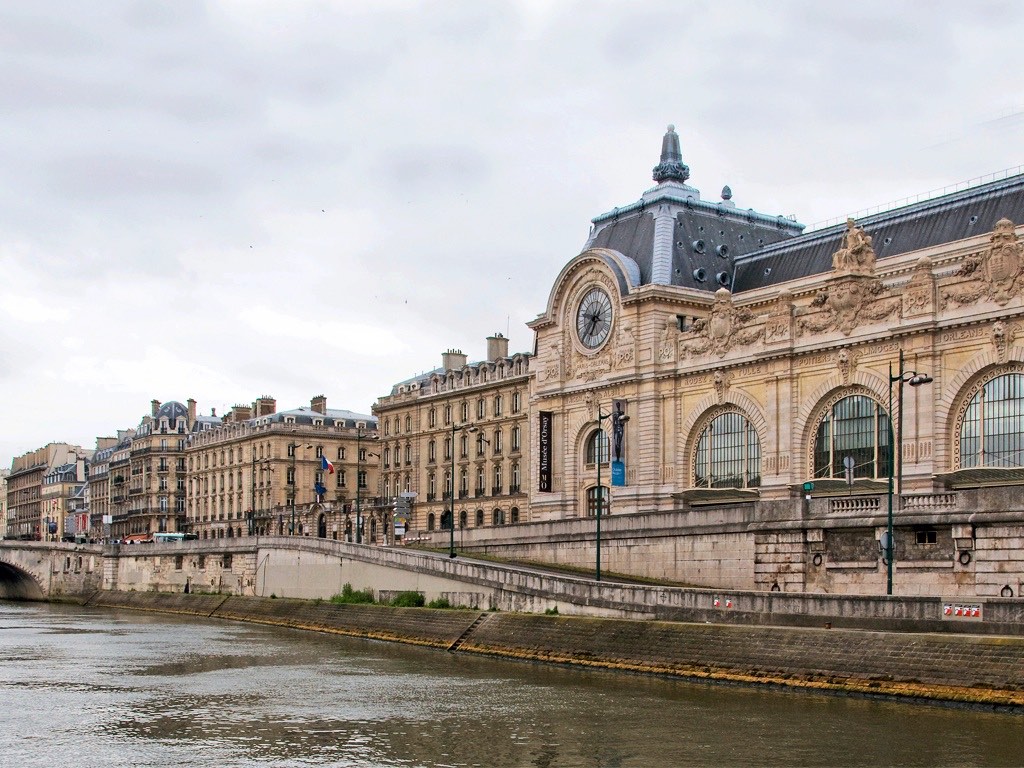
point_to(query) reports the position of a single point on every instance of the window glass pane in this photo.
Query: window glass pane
(991, 434)
(857, 427)
(728, 454)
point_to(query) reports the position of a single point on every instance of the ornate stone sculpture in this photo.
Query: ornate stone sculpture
(995, 273)
(726, 326)
(856, 257)
(667, 344)
(856, 294)
(1002, 337)
(919, 294)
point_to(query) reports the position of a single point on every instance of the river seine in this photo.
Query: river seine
(84, 687)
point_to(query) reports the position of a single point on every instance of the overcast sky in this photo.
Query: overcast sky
(222, 200)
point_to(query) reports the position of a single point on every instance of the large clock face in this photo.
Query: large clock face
(594, 318)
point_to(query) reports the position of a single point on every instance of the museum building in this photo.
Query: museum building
(752, 393)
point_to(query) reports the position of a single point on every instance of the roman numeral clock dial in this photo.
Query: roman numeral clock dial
(594, 318)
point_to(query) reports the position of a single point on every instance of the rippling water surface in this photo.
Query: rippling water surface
(83, 687)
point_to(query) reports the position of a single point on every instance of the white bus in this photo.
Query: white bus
(165, 536)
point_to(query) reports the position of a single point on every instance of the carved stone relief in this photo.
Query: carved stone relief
(919, 293)
(625, 349)
(846, 361)
(995, 273)
(721, 381)
(1003, 335)
(667, 343)
(778, 326)
(726, 326)
(856, 294)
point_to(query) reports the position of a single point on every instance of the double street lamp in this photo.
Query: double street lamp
(360, 435)
(601, 451)
(293, 448)
(451, 498)
(914, 379)
(253, 522)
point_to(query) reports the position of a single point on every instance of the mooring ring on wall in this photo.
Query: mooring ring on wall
(1006, 591)
(885, 560)
(965, 558)
(817, 559)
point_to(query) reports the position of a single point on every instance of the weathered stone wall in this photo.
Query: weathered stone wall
(974, 669)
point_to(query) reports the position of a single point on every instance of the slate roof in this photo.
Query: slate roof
(698, 249)
(943, 219)
(333, 417)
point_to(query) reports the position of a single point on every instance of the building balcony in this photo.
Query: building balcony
(479, 492)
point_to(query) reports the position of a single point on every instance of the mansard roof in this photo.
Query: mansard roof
(674, 237)
(333, 417)
(947, 218)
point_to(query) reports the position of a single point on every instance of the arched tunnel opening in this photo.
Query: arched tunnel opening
(16, 584)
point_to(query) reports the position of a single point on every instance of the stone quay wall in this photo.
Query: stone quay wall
(966, 669)
(967, 544)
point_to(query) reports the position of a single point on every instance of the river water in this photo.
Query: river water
(89, 687)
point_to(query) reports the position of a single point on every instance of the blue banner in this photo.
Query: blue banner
(618, 473)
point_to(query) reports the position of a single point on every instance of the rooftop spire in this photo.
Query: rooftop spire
(671, 166)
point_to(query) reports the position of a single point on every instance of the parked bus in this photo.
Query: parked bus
(165, 536)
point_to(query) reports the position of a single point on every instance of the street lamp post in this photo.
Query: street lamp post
(252, 494)
(359, 482)
(294, 447)
(600, 446)
(914, 379)
(451, 499)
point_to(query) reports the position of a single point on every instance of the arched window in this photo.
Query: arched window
(479, 518)
(854, 426)
(992, 430)
(462, 519)
(498, 517)
(592, 496)
(514, 514)
(597, 447)
(728, 454)
(430, 521)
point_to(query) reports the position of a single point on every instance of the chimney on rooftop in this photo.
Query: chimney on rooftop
(191, 411)
(265, 406)
(453, 360)
(155, 407)
(319, 404)
(497, 347)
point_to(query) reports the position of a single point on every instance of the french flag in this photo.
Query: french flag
(325, 464)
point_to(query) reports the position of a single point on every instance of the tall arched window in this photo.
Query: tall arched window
(479, 517)
(597, 447)
(854, 426)
(992, 430)
(728, 454)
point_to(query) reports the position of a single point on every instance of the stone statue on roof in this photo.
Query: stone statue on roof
(856, 256)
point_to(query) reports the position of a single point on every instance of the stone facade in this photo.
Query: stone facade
(257, 474)
(812, 372)
(27, 515)
(476, 412)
